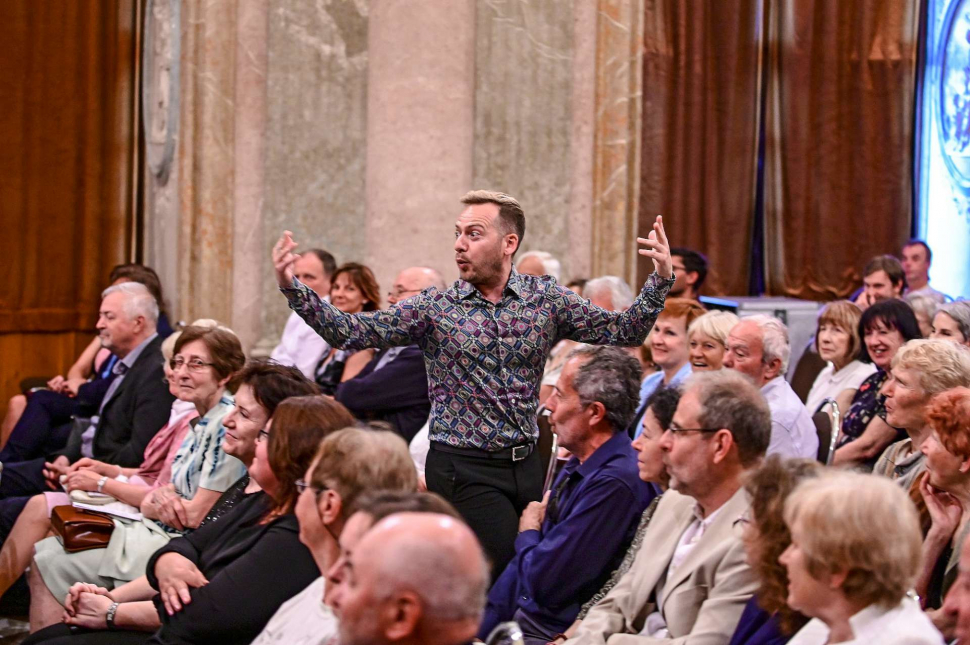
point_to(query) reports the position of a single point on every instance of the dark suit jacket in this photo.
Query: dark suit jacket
(138, 409)
(397, 393)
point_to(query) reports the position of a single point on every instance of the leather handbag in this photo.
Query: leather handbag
(79, 529)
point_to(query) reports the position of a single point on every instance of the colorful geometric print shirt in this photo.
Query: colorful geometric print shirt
(485, 360)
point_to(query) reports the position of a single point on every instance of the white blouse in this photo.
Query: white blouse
(904, 624)
(830, 384)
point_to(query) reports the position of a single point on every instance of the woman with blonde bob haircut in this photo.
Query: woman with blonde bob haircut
(707, 336)
(854, 553)
(838, 343)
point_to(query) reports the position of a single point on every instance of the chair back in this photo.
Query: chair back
(808, 367)
(828, 422)
(548, 446)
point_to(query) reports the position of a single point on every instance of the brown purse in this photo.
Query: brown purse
(79, 529)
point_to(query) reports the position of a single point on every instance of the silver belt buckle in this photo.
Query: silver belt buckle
(520, 452)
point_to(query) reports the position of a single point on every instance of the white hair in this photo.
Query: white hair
(139, 301)
(550, 265)
(774, 339)
(620, 292)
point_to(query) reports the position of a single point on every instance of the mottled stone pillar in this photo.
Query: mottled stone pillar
(616, 141)
(420, 106)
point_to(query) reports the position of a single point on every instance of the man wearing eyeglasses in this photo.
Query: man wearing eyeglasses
(690, 582)
(393, 386)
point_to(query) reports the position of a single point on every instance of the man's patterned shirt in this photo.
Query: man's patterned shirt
(485, 360)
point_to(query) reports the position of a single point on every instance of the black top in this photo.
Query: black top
(252, 569)
(397, 393)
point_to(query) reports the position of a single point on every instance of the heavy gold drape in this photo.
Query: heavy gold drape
(701, 74)
(839, 140)
(65, 173)
(834, 83)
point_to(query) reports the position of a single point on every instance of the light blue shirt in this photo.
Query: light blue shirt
(650, 385)
(793, 433)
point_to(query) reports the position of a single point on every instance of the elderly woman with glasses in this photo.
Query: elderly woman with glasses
(201, 471)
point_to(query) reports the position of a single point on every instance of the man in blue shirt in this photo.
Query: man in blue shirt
(569, 543)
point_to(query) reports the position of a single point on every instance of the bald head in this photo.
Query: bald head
(419, 578)
(414, 280)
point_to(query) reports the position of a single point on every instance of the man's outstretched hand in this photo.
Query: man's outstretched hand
(658, 249)
(283, 259)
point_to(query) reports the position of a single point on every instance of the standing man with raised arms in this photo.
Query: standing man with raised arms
(485, 341)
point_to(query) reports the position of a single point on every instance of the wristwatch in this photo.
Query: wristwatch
(101, 482)
(109, 618)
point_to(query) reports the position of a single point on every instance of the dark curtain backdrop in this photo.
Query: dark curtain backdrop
(839, 140)
(67, 82)
(65, 172)
(701, 89)
(834, 81)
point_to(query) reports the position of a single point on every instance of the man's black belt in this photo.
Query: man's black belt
(515, 453)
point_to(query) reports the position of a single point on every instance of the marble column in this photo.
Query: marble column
(616, 139)
(523, 113)
(420, 110)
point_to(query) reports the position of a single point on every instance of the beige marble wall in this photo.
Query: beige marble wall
(316, 134)
(523, 114)
(358, 125)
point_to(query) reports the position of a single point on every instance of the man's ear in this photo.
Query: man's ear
(773, 368)
(690, 277)
(598, 412)
(723, 442)
(330, 506)
(511, 244)
(402, 615)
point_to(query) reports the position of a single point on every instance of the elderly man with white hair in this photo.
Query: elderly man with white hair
(759, 348)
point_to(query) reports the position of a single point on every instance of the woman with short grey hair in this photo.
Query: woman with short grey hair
(952, 322)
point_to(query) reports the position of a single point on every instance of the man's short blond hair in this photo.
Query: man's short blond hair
(860, 524)
(939, 365)
(509, 210)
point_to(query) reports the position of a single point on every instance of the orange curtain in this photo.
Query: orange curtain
(66, 76)
(839, 140)
(701, 103)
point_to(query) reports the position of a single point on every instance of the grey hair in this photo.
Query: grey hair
(139, 301)
(437, 280)
(923, 303)
(959, 311)
(621, 293)
(611, 376)
(729, 400)
(774, 339)
(550, 265)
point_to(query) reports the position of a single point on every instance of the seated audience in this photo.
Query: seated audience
(690, 270)
(917, 258)
(354, 290)
(884, 328)
(952, 322)
(223, 582)
(300, 346)
(692, 582)
(129, 485)
(854, 553)
(205, 360)
(393, 386)
(656, 421)
(758, 347)
(538, 263)
(838, 343)
(49, 411)
(418, 578)
(924, 308)
(561, 558)
(921, 369)
(606, 292)
(945, 489)
(882, 279)
(362, 469)
(132, 411)
(669, 350)
(707, 336)
(767, 619)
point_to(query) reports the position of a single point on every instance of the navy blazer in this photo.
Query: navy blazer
(397, 393)
(758, 627)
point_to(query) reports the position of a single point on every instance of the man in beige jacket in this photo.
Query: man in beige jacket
(690, 582)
